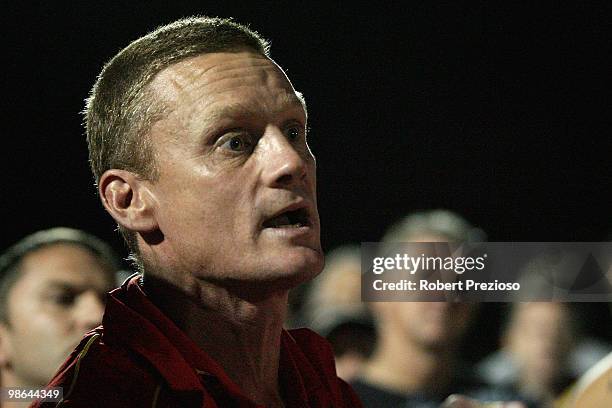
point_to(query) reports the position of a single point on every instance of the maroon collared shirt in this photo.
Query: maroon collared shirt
(139, 358)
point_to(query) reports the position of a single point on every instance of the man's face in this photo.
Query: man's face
(539, 337)
(427, 325)
(57, 298)
(431, 325)
(236, 195)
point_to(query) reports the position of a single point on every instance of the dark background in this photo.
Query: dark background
(496, 110)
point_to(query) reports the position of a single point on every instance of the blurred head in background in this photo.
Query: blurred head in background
(417, 341)
(543, 347)
(334, 309)
(428, 325)
(52, 289)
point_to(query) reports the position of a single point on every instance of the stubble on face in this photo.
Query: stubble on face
(229, 162)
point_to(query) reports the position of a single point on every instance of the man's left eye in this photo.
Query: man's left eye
(293, 133)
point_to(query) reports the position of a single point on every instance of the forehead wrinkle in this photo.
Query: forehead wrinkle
(181, 80)
(200, 67)
(188, 70)
(286, 102)
(228, 79)
(187, 83)
(190, 82)
(234, 69)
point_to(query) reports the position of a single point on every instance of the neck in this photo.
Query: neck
(537, 385)
(218, 320)
(405, 366)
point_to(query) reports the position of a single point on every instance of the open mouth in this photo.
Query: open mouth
(289, 219)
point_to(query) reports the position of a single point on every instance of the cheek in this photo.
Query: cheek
(405, 315)
(43, 326)
(30, 315)
(206, 202)
(312, 168)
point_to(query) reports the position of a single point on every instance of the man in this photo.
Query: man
(198, 144)
(543, 347)
(539, 340)
(415, 362)
(52, 288)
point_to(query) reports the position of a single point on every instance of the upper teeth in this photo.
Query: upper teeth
(283, 221)
(280, 220)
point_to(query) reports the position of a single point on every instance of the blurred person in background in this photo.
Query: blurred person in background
(52, 289)
(415, 362)
(593, 389)
(543, 346)
(334, 309)
(536, 342)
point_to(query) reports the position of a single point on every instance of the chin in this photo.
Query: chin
(433, 343)
(296, 269)
(276, 271)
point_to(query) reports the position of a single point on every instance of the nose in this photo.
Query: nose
(89, 310)
(286, 162)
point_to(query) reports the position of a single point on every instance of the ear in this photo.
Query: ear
(128, 200)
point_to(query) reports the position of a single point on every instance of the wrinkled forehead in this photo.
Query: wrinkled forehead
(214, 77)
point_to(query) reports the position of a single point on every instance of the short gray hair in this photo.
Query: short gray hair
(445, 223)
(120, 109)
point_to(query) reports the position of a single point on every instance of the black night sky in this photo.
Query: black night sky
(496, 110)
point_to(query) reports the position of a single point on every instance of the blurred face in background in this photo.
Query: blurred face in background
(341, 288)
(58, 296)
(429, 325)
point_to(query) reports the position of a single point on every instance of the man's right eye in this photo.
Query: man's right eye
(63, 299)
(237, 143)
